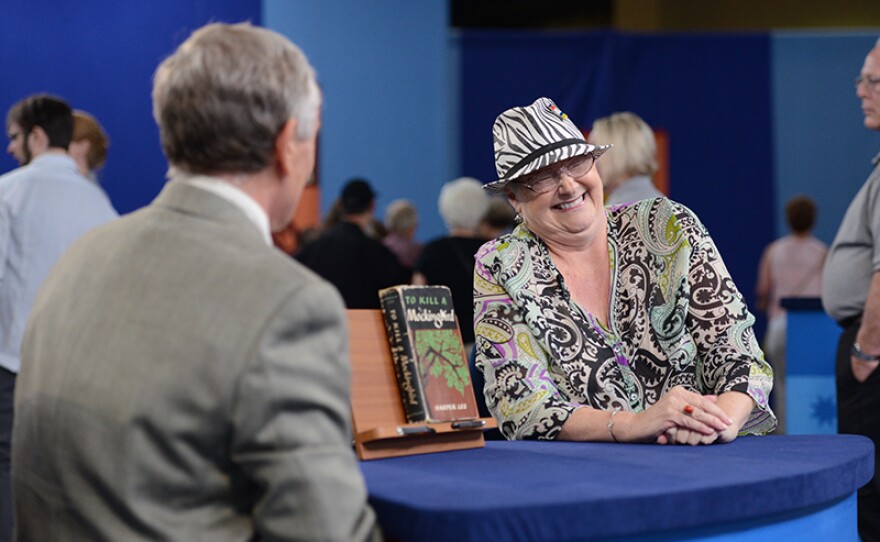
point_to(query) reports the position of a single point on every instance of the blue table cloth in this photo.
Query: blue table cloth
(536, 491)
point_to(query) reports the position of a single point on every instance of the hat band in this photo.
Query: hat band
(539, 152)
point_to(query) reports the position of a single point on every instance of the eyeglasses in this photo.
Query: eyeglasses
(872, 82)
(549, 178)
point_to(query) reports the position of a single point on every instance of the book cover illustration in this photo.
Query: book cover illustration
(429, 357)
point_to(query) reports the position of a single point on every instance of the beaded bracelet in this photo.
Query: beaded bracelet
(611, 423)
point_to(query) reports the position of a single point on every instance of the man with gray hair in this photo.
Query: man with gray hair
(851, 295)
(183, 379)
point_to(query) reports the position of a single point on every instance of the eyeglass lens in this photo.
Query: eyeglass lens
(548, 180)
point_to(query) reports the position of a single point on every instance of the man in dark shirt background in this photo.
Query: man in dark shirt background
(358, 265)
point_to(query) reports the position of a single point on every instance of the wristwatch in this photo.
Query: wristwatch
(857, 353)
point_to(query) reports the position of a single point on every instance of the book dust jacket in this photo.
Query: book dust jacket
(429, 357)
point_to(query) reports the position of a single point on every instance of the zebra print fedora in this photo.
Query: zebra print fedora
(529, 138)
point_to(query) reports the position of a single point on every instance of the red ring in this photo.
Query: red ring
(689, 409)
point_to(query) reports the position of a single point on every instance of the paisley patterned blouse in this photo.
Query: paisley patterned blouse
(676, 319)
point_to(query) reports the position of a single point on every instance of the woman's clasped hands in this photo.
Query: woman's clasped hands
(682, 417)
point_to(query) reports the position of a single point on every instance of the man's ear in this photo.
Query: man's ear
(38, 141)
(284, 147)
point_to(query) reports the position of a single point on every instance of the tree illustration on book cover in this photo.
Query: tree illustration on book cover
(445, 376)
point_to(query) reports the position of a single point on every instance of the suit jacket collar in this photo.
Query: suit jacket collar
(192, 200)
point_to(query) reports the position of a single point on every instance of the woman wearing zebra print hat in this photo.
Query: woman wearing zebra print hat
(617, 324)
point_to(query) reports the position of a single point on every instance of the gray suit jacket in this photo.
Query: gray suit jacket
(183, 381)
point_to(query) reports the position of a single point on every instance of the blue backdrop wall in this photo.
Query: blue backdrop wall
(100, 56)
(752, 119)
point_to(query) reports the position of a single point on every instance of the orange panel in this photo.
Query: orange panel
(307, 215)
(661, 178)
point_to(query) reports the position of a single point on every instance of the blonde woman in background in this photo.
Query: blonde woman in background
(626, 173)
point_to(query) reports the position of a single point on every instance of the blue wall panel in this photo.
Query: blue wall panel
(821, 147)
(100, 56)
(384, 70)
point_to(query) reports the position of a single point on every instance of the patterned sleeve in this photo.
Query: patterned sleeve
(721, 325)
(519, 390)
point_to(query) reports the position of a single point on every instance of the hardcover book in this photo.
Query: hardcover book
(429, 358)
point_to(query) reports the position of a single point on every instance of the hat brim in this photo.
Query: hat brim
(548, 159)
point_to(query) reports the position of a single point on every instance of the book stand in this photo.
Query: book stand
(379, 422)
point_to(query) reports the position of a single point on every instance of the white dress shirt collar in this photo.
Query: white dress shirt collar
(232, 194)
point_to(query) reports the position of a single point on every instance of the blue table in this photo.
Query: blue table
(766, 488)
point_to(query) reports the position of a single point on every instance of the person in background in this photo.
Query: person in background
(607, 324)
(626, 173)
(334, 215)
(89, 145)
(182, 379)
(45, 205)
(789, 267)
(348, 257)
(401, 222)
(374, 228)
(851, 296)
(499, 219)
(449, 260)
(287, 239)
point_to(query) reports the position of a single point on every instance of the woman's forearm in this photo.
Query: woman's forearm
(677, 408)
(591, 425)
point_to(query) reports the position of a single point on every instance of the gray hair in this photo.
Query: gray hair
(635, 149)
(223, 96)
(400, 216)
(463, 203)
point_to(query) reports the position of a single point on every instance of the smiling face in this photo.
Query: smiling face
(568, 216)
(867, 93)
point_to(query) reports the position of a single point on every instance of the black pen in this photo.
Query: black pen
(414, 430)
(468, 424)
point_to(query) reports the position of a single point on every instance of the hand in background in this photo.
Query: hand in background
(861, 370)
